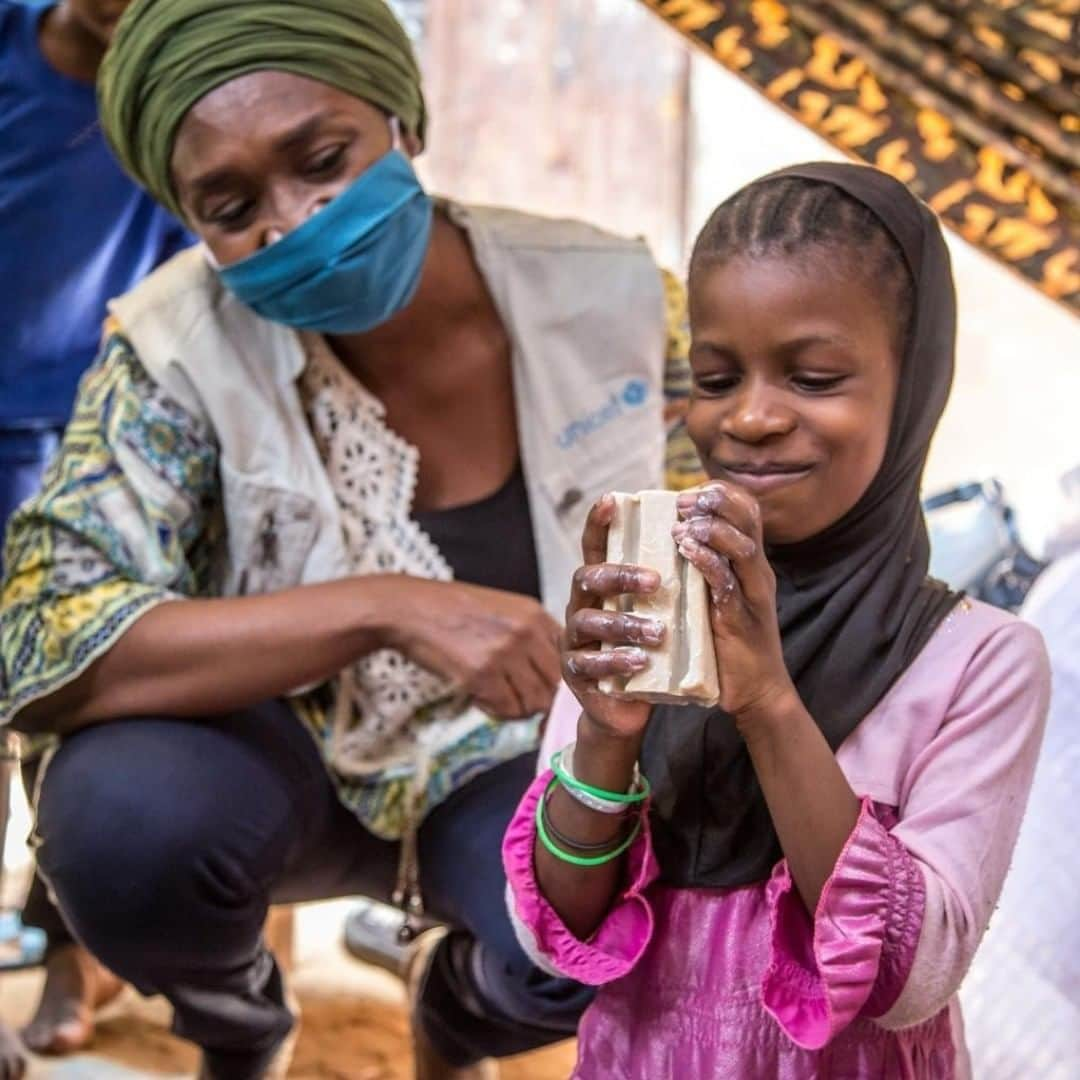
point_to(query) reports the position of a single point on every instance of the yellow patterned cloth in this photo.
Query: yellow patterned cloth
(129, 516)
(974, 105)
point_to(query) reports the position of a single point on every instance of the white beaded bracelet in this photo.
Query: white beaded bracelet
(564, 762)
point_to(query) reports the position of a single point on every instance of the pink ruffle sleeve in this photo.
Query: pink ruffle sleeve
(624, 934)
(855, 957)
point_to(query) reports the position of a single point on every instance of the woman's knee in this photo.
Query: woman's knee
(99, 823)
(160, 835)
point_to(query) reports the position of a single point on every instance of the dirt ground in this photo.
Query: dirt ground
(353, 1027)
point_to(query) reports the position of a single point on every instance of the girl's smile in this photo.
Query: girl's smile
(761, 477)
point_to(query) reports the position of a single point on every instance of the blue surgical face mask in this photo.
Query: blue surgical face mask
(352, 265)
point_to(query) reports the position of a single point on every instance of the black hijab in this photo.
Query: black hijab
(854, 602)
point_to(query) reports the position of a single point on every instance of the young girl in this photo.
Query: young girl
(806, 885)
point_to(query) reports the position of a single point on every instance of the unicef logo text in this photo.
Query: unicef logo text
(632, 396)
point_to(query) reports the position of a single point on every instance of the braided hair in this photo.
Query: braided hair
(793, 215)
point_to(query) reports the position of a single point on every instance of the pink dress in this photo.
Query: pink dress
(741, 983)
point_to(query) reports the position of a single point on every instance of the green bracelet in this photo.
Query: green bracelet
(578, 860)
(572, 782)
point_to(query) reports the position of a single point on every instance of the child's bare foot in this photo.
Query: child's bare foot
(76, 986)
(12, 1055)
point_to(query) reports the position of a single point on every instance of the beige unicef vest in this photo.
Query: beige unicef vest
(584, 311)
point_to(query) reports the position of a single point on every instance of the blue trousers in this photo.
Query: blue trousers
(165, 840)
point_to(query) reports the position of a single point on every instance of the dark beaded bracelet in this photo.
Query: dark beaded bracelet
(565, 841)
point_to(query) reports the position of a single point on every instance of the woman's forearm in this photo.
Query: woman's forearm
(208, 657)
(580, 895)
(812, 805)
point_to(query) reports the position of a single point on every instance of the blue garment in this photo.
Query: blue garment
(74, 229)
(24, 453)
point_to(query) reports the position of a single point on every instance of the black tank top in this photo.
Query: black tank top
(489, 542)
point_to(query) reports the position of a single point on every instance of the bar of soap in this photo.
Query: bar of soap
(683, 671)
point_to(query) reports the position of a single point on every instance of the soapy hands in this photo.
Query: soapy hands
(719, 532)
(589, 628)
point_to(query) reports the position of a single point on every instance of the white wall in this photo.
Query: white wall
(1015, 406)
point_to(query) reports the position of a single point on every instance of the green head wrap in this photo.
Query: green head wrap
(167, 54)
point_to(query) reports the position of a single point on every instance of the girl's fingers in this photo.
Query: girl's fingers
(594, 666)
(724, 500)
(613, 628)
(714, 567)
(740, 552)
(595, 537)
(720, 535)
(604, 581)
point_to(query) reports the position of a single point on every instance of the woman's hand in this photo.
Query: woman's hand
(589, 627)
(499, 648)
(208, 657)
(719, 532)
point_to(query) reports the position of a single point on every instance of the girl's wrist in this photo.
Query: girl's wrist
(605, 759)
(770, 716)
(602, 738)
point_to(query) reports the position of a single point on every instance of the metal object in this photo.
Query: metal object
(20, 946)
(976, 546)
(373, 934)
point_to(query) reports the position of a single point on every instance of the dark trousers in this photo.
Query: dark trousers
(165, 841)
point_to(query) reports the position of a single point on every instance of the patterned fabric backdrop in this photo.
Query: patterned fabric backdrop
(973, 103)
